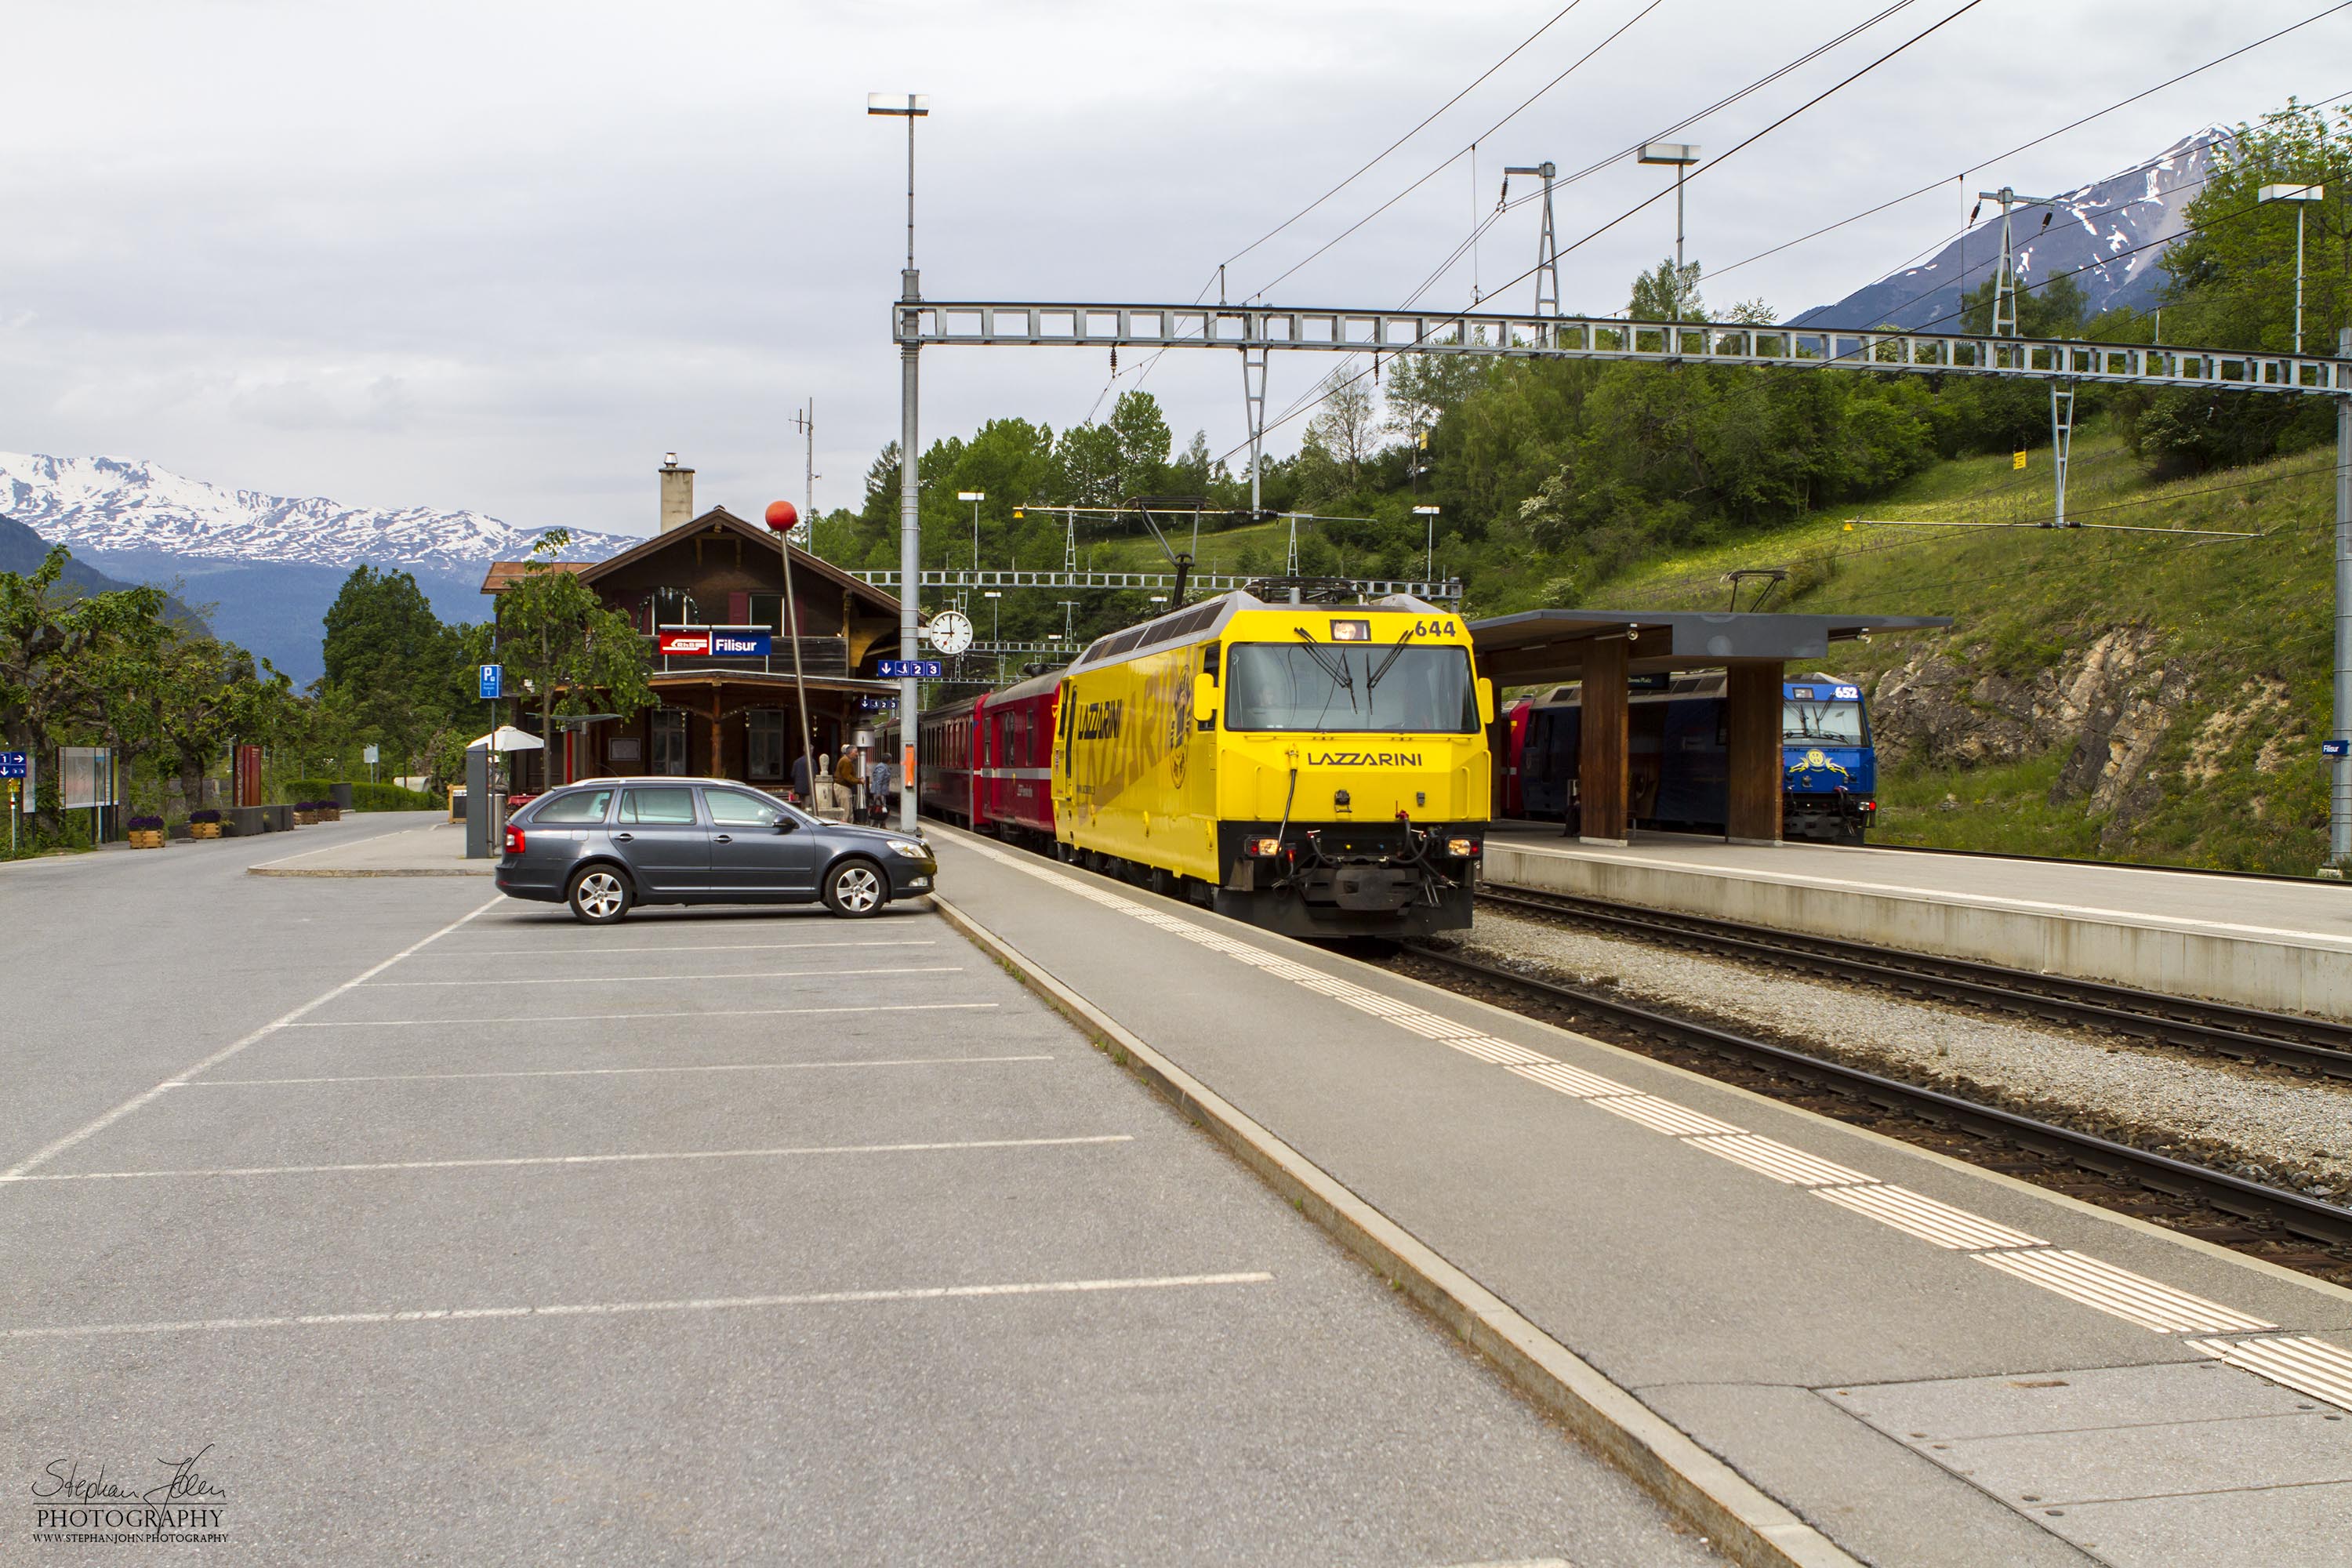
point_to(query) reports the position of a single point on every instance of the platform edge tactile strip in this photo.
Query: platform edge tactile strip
(2079, 1278)
(2298, 1362)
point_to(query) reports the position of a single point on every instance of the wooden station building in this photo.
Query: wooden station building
(705, 582)
(1604, 649)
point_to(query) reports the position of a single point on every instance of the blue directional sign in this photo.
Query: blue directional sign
(493, 681)
(11, 765)
(915, 669)
(2335, 748)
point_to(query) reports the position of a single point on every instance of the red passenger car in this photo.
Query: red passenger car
(1012, 767)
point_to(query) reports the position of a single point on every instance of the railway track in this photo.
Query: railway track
(2278, 1039)
(2190, 1197)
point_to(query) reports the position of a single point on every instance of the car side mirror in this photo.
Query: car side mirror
(785, 824)
(1205, 701)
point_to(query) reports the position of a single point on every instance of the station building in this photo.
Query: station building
(706, 580)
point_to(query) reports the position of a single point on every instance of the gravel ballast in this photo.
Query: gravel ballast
(2259, 1122)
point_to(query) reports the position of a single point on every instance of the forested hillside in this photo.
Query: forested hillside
(2120, 693)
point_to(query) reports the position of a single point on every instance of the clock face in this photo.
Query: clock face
(950, 632)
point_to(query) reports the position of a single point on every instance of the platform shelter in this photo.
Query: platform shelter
(1605, 650)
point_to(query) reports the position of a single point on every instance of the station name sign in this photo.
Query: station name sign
(714, 642)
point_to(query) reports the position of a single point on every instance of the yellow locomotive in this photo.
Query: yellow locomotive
(1321, 770)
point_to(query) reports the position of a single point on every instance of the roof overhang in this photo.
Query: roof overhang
(1537, 647)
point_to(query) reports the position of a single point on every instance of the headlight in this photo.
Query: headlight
(911, 850)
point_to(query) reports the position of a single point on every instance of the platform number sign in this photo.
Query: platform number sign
(493, 682)
(11, 765)
(911, 668)
(2335, 748)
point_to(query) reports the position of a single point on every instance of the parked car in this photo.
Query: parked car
(607, 845)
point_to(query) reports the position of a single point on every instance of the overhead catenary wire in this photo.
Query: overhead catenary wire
(1938, 184)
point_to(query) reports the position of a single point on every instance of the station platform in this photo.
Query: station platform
(1852, 1350)
(2283, 946)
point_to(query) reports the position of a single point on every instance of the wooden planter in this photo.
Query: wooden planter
(203, 830)
(146, 838)
(332, 814)
(304, 818)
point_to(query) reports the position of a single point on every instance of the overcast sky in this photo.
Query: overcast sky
(503, 256)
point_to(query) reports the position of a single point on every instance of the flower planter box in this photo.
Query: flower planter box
(330, 813)
(203, 830)
(304, 818)
(146, 838)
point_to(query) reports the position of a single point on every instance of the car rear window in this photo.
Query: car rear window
(582, 805)
(671, 804)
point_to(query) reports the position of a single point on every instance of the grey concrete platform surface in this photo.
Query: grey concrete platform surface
(397, 844)
(2280, 945)
(1930, 1364)
(437, 1228)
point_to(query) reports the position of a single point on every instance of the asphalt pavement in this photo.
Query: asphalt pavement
(433, 1226)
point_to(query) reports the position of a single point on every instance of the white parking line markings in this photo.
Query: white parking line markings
(699, 947)
(517, 1161)
(656, 979)
(598, 1017)
(283, 1021)
(620, 1309)
(600, 1072)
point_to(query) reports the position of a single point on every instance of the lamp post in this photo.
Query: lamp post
(912, 106)
(781, 519)
(1682, 155)
(2301, 196)
(1429, 566)
(975, 496)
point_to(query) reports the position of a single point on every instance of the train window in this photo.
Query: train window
(1328, 687)
(1822, 723)
(1209, 660)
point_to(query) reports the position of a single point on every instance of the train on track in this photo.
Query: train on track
(1680, 757)
(1320, 769)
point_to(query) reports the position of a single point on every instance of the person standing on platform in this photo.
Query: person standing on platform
(878, 793)
(850, 774)
(801, 796)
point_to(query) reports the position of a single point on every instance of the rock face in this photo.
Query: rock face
(2114, 699)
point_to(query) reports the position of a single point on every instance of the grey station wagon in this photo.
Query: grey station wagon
(609, 843)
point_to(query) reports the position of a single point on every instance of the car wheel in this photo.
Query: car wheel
(855, 889)
(600, 895)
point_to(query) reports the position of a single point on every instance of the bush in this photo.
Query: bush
(365, 797)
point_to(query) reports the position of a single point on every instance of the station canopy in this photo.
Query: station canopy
(1539, 648)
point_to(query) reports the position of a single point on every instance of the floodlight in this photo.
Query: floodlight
(909, 103)
(2291, 193)
(1669, 152)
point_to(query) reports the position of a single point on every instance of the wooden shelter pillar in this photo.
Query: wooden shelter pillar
(1752, 717)
(1604, 755)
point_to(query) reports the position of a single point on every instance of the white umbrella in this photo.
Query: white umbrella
(506, 737)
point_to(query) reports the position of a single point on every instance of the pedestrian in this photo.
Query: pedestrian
(801, 781)
(850, 774)
(878, 792)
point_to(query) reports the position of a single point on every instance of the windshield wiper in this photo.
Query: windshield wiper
(1374, 679)
(1338, 671)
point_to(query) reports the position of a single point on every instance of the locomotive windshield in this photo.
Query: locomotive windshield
(1822, 723)
(1327, 687)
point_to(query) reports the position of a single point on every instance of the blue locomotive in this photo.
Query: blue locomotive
(1681, 755)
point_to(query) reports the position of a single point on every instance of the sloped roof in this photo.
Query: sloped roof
(718, 520)
(505, 574)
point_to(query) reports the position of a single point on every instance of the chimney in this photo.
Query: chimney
(677, 493)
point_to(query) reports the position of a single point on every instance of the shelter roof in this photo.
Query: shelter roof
(1539, 645)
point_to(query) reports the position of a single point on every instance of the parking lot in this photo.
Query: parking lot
(714, 1235)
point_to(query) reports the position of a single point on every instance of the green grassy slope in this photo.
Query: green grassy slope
(2208, 658)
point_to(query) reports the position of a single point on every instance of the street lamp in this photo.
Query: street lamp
(912, 106)
(1429, 568)
(2301, 196)
(992, 595)
(1682, 155)
(975, 496)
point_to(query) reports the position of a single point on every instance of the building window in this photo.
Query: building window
(768, 610)
(675, 607)
(765, 756)
(669, 742)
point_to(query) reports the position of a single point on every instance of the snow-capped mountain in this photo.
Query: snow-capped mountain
(2115, 231)
(119, 506)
